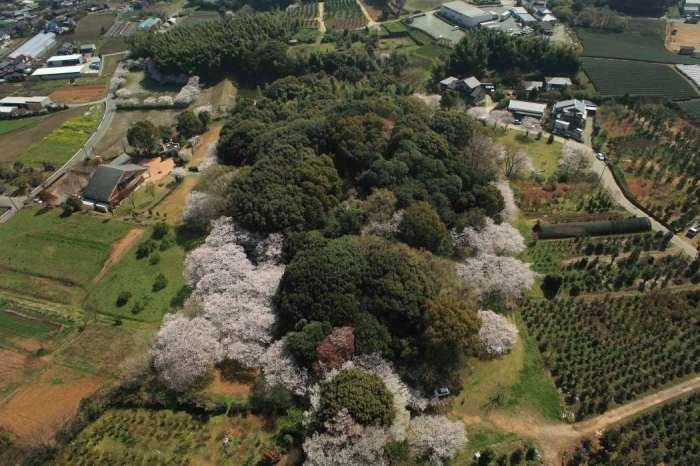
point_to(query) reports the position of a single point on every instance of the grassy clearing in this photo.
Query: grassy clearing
(534, 387)
(545, 157)
(91, 27)
(483, 436)
(62, 255)
(59, 146)
(7, 126)
(643, 40)
(617, 77)
(13, 325)
(137, 276)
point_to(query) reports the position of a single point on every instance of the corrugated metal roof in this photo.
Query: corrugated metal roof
(58, 70)
(464, 8)
(73, 56)
(524, 106)
(36, 46)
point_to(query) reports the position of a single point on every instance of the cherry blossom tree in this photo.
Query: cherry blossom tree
(500, 240)
(185, 350)
(346, 443)
(515, 163)
(497, 333)
(509, 213)
(496, 274)
(574, 158)
(436, 438)
(279, 368)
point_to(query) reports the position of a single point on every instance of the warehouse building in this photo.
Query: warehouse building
(527, 109)
(59, 72)
(36, 46)
(464, 14)
(64, 60)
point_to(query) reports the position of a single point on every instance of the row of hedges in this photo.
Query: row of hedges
(600, 228)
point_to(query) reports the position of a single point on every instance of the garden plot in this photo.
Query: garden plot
(306, 12)
(343, 14)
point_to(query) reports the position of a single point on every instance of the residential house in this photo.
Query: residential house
(523, 108)
(473, 88)
(112, 182)
(569, 117)
(449, 83)
(532, 85)
(557, 83)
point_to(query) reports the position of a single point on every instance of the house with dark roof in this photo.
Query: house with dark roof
(113, 182)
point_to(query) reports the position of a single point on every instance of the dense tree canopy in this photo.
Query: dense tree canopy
(249, 46)
(484, 49)
(362, 394)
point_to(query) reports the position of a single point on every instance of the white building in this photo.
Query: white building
(691, 7)
(464, 14)
(59, 72)
(64, 60)
(524, 108)
(557, 83)
(25, 103)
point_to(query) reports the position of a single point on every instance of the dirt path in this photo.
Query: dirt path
(554, 439)
(370, 21)
(321, 22)
(119, 248)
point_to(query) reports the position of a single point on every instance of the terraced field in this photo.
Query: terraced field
(343, 14)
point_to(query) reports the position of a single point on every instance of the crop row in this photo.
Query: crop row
(667, 435)
(602, 353)
(343, 14)
(619, 78)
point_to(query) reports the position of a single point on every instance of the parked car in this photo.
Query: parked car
(600, 156)
(693, 231)
(517, 121)
(441, 392)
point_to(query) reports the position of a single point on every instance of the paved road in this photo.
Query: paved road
(82, 154)
(608, 181)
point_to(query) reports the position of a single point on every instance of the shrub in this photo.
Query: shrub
(154, 259)
(302, 345)
(421, 227)
(123, 298)
(160, 229)
(160, 282)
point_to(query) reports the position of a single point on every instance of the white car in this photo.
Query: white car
(693, 231)
(600, 156)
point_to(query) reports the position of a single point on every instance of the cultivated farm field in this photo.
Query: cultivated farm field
(47, 256)
(164, 437)
(618, 77)
(611, 350)
(343, 14)
(306, 12)
(665, 435)
(59, 146)
(643, 40)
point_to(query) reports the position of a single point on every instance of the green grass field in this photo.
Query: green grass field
(617, 77)
(13, 325)
(643, 40)
(62, 143)
(47, 256)
(545, 157)
(137, 276)
(7, 126)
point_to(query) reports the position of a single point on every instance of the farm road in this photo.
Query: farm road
(370, 22)
(321, 22)
(554, 439)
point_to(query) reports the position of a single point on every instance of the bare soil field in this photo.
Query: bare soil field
(17, 142)
(36, 411)
(79, 94)
(682, 34)
(14, 367)
(114, 141)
